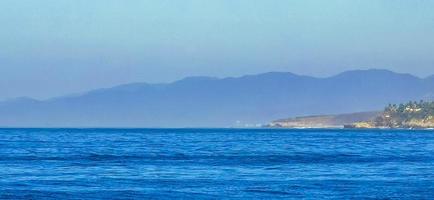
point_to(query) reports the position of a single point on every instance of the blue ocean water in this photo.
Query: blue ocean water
(215, 164)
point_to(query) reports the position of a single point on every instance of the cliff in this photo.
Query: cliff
(411, 115)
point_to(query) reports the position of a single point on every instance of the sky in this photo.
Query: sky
(51, 48)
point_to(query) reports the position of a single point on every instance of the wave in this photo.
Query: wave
(228, 159)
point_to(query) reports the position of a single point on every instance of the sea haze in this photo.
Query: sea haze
(219, 102)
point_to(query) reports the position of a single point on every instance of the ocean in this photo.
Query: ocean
(216, 164)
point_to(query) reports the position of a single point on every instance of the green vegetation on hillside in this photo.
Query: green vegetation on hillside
(409, 115)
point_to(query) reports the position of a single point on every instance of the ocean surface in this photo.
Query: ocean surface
(216, 164)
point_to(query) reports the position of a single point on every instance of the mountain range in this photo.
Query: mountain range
(219, 102)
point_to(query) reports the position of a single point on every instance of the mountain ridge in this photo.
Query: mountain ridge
(220, 102)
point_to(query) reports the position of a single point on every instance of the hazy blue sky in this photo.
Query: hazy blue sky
(55, 47)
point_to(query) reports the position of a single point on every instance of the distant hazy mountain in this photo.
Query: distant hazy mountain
(205, 101)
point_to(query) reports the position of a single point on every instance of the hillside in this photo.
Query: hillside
(219, 102)
(323, 121)
(409, 115)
